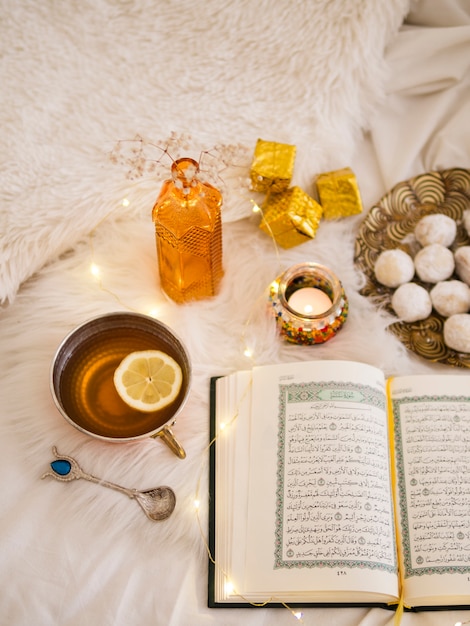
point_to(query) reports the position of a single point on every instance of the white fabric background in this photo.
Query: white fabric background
(340, 82)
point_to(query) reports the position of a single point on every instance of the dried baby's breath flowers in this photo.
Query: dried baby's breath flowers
(144, 158)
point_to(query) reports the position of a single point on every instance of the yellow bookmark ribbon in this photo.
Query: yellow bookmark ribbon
(393, 477)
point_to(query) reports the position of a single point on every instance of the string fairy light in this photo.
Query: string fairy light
(138, 162)
(229, 587)
(248, 352)
(96, 272)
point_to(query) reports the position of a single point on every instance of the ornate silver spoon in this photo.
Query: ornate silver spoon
(158, 503)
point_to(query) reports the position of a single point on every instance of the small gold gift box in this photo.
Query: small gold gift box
(272, 166)
(291, 217)
(339, 194)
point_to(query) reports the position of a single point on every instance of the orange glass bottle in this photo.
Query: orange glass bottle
(188, 229)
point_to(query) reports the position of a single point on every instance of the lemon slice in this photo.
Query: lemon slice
(148, 380)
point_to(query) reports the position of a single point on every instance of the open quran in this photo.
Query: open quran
(331, 485)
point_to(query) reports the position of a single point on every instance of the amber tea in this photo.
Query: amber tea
(84, 368)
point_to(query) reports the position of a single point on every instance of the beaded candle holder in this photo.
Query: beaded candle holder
(309, 304)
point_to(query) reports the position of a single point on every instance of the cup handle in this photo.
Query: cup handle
(168, 437)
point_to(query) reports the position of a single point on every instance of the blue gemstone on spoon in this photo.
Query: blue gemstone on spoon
(61, 467)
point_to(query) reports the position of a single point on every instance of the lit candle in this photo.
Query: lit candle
(307, 315)
(309, 301)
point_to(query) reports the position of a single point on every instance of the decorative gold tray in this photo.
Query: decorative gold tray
(390, 224)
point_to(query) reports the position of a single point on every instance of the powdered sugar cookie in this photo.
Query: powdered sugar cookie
(436, 228)
(394, 267)
(462, 263)
(434, 263)
(411, 302)
(457, 332)
(450, 297)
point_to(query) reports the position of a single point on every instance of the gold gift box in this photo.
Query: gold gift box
(272, 166)
(291, 217)
(339, 194)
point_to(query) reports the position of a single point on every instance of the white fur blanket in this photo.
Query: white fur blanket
(76, 78)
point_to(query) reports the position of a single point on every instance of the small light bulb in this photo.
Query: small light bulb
(197, 504)
(248, 353)
(94, 269)
(298, 615)
(229, 588)
(125, 202)
(256, 208)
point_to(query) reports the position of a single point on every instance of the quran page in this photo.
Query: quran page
(231, 432)
(431, 417)
(320, 522)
